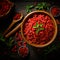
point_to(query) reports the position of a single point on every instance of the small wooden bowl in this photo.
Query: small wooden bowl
(58, 14)
(54, 22)
(27, 52)
(5, 14)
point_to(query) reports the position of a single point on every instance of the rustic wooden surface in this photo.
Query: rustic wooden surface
(36, 53)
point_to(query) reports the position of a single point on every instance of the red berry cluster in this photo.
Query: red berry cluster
(17, 16)
(55, 11)
(19, 40)
(14, 49)
(22, 49)
(4, 7)
(44, 36)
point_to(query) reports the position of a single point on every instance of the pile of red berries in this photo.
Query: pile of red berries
(4, 7)
(21, 46)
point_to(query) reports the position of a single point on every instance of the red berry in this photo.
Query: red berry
(19, 43)
(24, 43)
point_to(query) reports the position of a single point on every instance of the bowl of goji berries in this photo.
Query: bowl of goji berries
(5, 7)
(55, 11)
(39, 28)
(23, 51)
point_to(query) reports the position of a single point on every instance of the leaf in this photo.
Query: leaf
(31, 6)
(2, 38)
(41, 25)
(39, 4)
(42, 5)
(36, 26)
(28, 8)
(37, 7)
(39, 29)
(29, 11)
(47, 8)
(10, 38)
(10, 43)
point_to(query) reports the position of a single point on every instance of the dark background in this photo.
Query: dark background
(55, 1)
(35, 53)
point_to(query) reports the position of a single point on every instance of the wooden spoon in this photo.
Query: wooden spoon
(13, 22)
(13, 31)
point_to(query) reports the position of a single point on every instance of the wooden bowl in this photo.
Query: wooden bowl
(30, 15)
(7, 12)
(56, 11)
(25, 53)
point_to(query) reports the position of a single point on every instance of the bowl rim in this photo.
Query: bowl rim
(12, 4)
(55, 24)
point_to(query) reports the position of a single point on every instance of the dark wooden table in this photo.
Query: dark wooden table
(37, 53)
